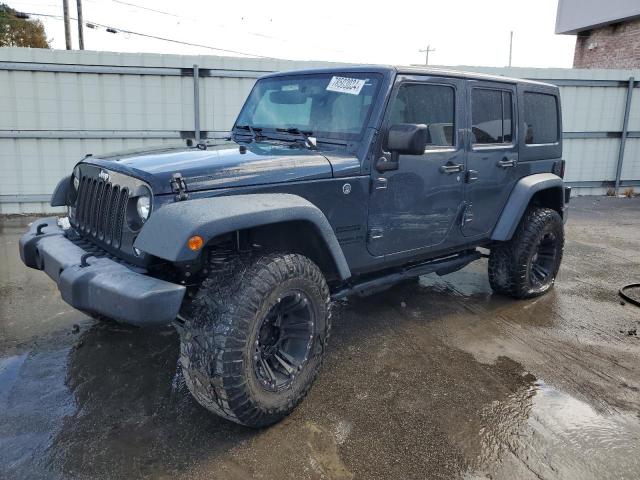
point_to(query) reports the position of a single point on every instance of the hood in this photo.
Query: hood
(219, 166)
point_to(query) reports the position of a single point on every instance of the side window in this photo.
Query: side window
(540, 118)
(492, 119)
(433, 105)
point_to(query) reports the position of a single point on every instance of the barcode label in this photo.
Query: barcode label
(346, 85)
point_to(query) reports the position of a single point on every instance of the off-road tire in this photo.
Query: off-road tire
(499, 269)
(510, 263)
(219, 326)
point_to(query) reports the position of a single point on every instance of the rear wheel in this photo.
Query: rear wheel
(254, 336)
(527, 265)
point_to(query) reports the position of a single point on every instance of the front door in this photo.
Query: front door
(416, 205)
(492, 157)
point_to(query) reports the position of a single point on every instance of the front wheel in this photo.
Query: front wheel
(254, 336)
(526, 266)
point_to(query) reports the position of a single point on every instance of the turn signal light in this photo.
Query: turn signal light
(195, 243)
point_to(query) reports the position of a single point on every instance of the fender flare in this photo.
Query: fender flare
(519, 199)
(60, 195)
(167, 230)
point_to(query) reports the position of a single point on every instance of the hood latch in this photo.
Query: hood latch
(179, 187)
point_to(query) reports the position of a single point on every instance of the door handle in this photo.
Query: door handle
(507, 163)
(450, 168)
(380, 183)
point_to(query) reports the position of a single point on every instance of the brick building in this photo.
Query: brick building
(608, 32)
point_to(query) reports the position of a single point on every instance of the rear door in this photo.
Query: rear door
(493, 154)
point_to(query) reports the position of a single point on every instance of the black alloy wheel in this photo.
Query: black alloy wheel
(543, 260)
(284, 341)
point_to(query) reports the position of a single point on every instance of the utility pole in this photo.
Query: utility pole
(510, 46)
(67, 31)
(80, 25)
(426, 52)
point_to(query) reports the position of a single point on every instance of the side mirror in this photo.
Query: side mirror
(408, 138)
(405, 139)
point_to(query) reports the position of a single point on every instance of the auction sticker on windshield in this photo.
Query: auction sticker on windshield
(346, 85)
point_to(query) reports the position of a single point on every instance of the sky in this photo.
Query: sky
(462, 32)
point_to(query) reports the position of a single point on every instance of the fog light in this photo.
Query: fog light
(195, 243)
(137, 251)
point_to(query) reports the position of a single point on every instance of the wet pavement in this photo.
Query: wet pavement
(430, 379)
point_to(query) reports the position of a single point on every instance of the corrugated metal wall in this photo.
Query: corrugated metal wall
(50, 119)
(56, 106)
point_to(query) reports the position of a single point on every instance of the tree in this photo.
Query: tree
(20, 32)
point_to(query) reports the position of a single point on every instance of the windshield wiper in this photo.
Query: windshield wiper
(252, 130)
(309, 141)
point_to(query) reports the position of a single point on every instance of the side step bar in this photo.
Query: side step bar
(441, 266)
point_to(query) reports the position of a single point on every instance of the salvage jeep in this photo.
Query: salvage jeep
(333, 182)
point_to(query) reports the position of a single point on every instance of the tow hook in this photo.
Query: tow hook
(83, 259)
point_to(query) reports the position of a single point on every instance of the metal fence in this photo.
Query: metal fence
(57, 106)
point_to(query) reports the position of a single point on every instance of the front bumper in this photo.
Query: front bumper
(98, 285)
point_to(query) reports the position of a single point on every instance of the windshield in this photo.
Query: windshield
(328, 105)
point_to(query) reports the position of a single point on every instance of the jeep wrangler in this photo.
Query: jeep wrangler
(333, 182)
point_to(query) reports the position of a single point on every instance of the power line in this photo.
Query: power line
(199, 20)
(191, 19)
(162, 12)
(155, 37)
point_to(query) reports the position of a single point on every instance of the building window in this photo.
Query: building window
(540, 118)
(432, 105)
(492, 117)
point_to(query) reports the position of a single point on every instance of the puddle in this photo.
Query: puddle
(34, 402)
(9, 372)
(546, 433)
(472, 281)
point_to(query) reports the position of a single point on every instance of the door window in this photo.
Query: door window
(432, 105)
(492, 118)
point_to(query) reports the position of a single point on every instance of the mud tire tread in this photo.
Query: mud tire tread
(216, 324)
(509, 261)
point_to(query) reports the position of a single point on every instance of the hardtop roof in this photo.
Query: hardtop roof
(412, 70)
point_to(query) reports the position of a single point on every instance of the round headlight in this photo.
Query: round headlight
(143, 207)
(76, 178)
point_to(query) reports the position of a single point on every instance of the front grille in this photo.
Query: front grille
(100, 210)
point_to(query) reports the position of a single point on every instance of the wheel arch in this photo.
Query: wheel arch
(541, 189)
(60, 196)
(298, 236)
(276, 221)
